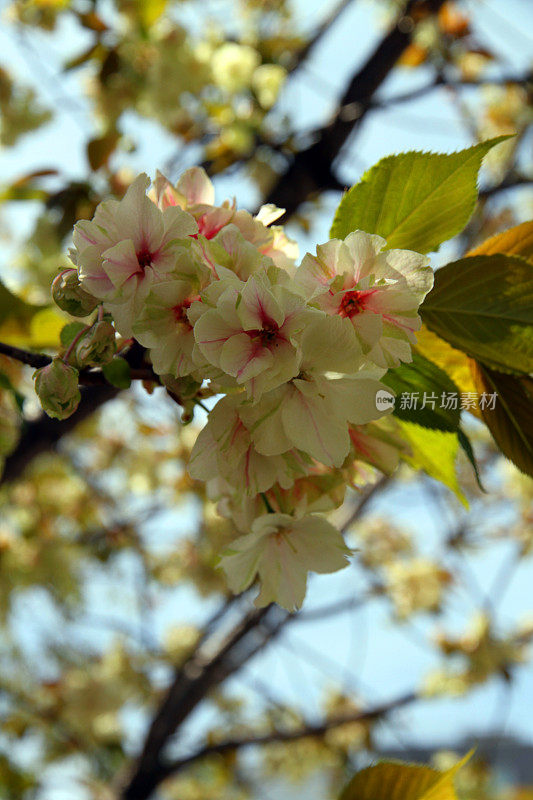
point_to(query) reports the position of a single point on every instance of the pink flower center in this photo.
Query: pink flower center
(352, 303)
(209, 230)
(267, 335)
(144, 257)
(180, 313)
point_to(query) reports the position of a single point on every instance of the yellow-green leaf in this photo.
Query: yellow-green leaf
(483, 305)
(45, 328)
(396, 780)
(517, 241)
(150, 11)
(454, 362)
(414, 200)
(434, 452)
(26, 325)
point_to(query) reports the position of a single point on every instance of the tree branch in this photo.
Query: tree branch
(311, 170)
(196, 678)
(306, 731)
(88, 377)
(511, 182)
(36, 360)
(442, 82)
(43, 434)
(201, 674)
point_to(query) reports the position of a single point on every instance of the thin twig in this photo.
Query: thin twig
(304, 732)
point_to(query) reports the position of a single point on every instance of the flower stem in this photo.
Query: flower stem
(74, 342)
(267, 503)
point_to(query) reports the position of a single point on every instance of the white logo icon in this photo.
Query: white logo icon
(384, 400)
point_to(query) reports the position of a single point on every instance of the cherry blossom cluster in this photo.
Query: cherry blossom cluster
(294, 353)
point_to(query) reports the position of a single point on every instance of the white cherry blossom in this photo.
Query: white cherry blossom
(281, 551)
(252, 334)
(128, 245)
(378, 290)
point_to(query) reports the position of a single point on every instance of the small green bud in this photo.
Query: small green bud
(185, 391)
(185, 388)
(57, 388)
(68, 294)
(97, 347)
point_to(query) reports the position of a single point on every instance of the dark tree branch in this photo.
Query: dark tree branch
(192, 682)
(311, 170)
(88, 377)
(511, 182)
(201, 674)
(36, 360)
(442, 82)
(44, 433)
(306, 731)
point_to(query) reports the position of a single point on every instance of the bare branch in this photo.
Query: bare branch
(36, 360)
(442, 82)
(192, 682)
(311, 170)
(88, 377)
(306, 731)
(513, 181)
(331, 18)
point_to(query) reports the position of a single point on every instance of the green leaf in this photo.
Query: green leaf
(414, 200)
(395, 780)
(517, 241)
(483, 305)
(434, 452)
(15, 316)
(511, 420)
(426, 380)
(70, 331)
(468, 450)
(118, 373)
(455, 363)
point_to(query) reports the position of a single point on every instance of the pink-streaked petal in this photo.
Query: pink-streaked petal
(196, 187)
(258, 307)
(211, 332)
(363, 249)
(178, 224)
(311, 427)
(165, 194)
(243, 358)
(120, 263)
(138, 218)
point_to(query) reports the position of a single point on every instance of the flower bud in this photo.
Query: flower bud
(68, 294)
(57, 388)
(185, 391)
(97, 347)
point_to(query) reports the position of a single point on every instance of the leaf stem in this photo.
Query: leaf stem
(267, 503)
